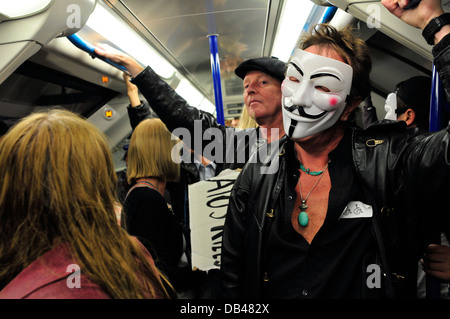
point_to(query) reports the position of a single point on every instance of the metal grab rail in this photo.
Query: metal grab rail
(89, 48)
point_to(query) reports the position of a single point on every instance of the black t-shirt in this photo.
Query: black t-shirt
(335, 264)
(148, 217)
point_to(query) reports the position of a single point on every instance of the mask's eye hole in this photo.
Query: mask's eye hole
(328, 84)
(323, 89)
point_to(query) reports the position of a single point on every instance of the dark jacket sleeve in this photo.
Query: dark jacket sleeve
(428, 168)
(232, 252)
(441, 54)
(253, 197)
(232, 147)
(170, 107)
(434, 151)
(138, 113)
(428, 161)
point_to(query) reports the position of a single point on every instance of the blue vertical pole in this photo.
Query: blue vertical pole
(329, 14)
(318, 14)
(215, 62)
(433, 284)
(215, 69)
(438, 99)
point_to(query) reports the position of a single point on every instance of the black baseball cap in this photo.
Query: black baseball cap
(269, 65)
(415, 93)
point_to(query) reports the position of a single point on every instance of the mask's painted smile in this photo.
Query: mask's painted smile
(301, 112)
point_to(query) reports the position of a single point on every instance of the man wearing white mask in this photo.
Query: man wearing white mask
(324, 226)
(410, 102)
(315, 93)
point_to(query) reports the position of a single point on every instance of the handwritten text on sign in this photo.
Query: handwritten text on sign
(208, 203)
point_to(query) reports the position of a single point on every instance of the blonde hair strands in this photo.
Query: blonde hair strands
(59, 187)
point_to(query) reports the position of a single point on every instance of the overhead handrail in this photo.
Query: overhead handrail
(90, 49)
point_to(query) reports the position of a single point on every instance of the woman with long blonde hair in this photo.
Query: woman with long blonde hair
(57, 210)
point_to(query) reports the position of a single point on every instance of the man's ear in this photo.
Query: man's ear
(349, 108)
(410, 116)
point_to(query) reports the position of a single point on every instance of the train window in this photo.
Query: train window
(33, 87)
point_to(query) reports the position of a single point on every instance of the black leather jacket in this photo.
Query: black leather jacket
(406, 178)
(393, 163)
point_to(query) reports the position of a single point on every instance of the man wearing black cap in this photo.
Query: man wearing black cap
(262, 79)
(413, 101)
(410, 102)
(262, 94)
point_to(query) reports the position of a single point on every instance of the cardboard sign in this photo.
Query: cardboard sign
(208, 204)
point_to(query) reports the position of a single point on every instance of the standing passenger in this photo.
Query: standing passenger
(150, 166)
(57, 216)
(324, 225)
(262, 79)
(429, 16)
(410, 102)
(147, 214)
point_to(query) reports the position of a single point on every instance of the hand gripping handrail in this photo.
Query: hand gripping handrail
(89, 48)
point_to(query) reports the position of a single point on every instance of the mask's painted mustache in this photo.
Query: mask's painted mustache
(303, 113)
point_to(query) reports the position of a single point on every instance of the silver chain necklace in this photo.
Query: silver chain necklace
(303, 217)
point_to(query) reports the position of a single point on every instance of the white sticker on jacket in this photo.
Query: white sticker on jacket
(357, 209)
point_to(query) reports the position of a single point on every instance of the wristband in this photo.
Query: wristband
(434, 26)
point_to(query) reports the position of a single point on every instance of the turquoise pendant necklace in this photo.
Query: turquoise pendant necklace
(308, 171)
(303, 218)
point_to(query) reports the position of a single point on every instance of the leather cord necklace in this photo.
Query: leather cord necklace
(303, 217)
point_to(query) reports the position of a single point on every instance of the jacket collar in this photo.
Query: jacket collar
(50, 267)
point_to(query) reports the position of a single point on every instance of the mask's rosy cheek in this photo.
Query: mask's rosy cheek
(333, 101)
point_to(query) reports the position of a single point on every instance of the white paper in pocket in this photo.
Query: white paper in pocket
(357, 209)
